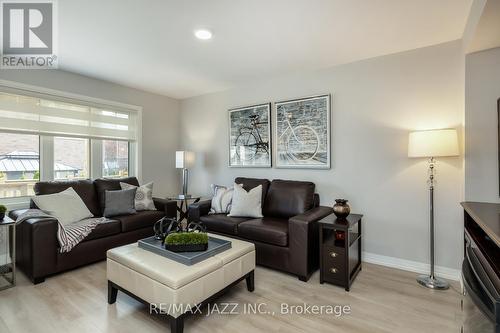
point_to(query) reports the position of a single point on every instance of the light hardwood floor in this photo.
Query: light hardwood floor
(381, 300)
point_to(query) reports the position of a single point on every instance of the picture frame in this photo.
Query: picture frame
(302, 128)
(250, 139)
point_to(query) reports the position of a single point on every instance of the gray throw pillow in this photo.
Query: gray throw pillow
(119, 202)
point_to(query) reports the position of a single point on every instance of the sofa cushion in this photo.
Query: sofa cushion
(246, 204)
(143, 196)
(85, 189)
(287, 198)
(139, 220)
(66, 206)
(222, 223)
(105, 229)
(266, 230)
(222, 198)
(250, 183)
(121, 202)
(106, 184)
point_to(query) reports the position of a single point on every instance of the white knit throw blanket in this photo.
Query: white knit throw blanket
(68, 235)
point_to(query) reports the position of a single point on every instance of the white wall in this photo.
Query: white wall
(482, 90)
(375, 104)
(159, 118)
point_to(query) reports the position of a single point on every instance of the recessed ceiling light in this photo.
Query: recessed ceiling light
(203, 34)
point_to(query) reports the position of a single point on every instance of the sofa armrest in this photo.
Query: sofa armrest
(198, 209)
(36, 246)
(168, 206)
(312, 215)
(304, 240)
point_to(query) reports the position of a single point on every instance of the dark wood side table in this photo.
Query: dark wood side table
(182, 205)
(340, 249)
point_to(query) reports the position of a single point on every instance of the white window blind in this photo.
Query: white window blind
(47, 115)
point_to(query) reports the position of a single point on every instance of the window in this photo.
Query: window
(71, 158)
(52, 135)
(115, 158)
(19, 164)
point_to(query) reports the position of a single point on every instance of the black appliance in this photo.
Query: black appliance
(481, 267)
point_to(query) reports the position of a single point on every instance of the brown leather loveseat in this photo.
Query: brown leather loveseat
(37, 247)
(286, 238)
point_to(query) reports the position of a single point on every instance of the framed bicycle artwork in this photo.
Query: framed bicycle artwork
(302, 128)
(250, 136)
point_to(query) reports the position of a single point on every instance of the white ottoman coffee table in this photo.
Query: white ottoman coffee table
(175, 289)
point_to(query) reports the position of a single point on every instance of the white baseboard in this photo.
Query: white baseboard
(412, 266)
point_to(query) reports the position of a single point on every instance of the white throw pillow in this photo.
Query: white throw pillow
(143, 196)
(221, 200)
(66, 206)
(246, 204)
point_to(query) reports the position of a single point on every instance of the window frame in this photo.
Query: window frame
(46, 142)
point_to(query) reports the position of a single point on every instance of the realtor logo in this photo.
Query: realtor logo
(28, 34)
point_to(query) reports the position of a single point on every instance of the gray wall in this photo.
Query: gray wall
(159, 118)
(375, 104)
(482, 90)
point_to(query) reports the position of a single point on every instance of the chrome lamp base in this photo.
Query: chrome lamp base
(432, 282)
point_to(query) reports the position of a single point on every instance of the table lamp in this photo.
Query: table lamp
(184, 160)
(432, 144)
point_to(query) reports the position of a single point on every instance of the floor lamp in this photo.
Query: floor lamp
(432, 144)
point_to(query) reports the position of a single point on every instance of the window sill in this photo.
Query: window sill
(16, 203)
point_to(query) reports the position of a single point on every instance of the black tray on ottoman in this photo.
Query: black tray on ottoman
(215, 245)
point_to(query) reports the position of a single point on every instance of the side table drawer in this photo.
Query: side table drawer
(333, 257)
(334, 274)
(333, 251)
(333, 267)
(333, 264)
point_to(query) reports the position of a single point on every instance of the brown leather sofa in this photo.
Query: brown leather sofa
(37, 247)
(286, 238)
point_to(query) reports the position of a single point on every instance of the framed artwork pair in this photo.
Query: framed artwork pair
(301, 129)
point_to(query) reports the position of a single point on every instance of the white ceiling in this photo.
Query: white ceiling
(149, 44)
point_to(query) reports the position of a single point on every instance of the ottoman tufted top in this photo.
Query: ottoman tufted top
(171, 273)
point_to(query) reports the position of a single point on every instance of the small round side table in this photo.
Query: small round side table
(182, 205)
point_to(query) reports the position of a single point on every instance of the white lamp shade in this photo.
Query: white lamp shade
(433, 143)
(184, 159)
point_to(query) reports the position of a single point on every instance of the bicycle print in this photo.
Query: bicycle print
(249, 136)
(303, 133)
